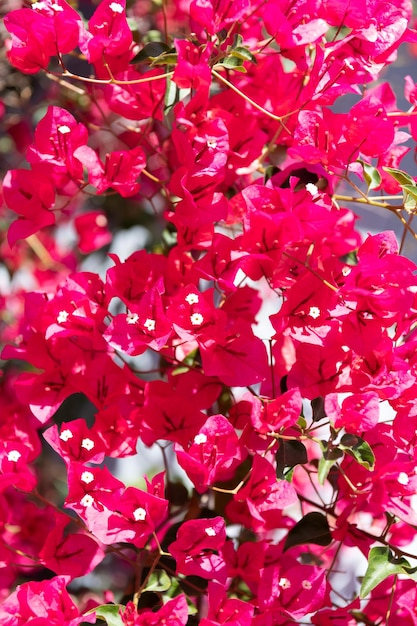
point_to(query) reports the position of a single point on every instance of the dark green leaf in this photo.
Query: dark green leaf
(165, 59)
(312, 528)
(290, 454)
(317, 407)
(359, 449)
(232, 62)
(151, 50)
(381, 564)
(243, 53)
(237, 41)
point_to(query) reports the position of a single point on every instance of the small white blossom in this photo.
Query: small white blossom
(14, 456)
(87, 500)
(196, 319)
(62, 317)
(139, 514)
(210, 531)
(64, 129)
(87, 444)
(66, 434)
(284, 583)
(200, 438)
(116, 7)
(87, 477)
(306, 584)
(132, 318)
(314, 312)
(150, 324)
(192, 298)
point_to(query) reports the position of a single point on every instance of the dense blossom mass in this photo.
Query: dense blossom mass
(260, 344)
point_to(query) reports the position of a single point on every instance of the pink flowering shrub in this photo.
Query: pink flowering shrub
(259, 344)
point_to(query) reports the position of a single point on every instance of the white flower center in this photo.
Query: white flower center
(200, 438)
(210, 531)
(192, 298)
(87, 477)
(196, 319)
(87, 444)
(284, 583)
(132, 318)
(139, 514)
(14, 456)
(62, 317)
(64, 129)
(149, 324)
(306, 584)
(314, 312)
(87, 500)
(116, 7)
(66, 434)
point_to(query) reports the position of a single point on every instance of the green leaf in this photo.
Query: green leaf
(243, 53)
(359, 449)
(410, 197)
(324, 468)
(151, 50)
(109, 613)
(171, 99)
(166, 58)
(401, 177)
(232, 62)
(312, 528)
(381, 564)
(326, 462)
(237, 41)
(371, 175)
(158, 581)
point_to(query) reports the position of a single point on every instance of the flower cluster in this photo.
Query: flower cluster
(256, 340)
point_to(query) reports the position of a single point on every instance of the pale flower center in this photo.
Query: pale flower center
(192, 298)
(66, 434)
(87, 444)
(196, 319)
(14, 456)
(200, 438)
(87, 477)
(116, 7)
(62, 317)
(139, 514)
(149, 324)
(87, 500)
